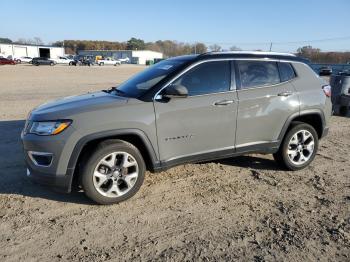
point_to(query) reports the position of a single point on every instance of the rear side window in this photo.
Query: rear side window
(258, 73)
(286, 71)
(207, 78)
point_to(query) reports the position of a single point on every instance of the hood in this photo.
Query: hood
(65, 107)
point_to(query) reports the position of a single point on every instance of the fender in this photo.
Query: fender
(298, 114)
(107, 134)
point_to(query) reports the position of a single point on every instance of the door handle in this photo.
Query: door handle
(287, 93)
(223, 102)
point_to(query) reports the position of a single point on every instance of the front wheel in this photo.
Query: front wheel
(113, 173)
(298, 147)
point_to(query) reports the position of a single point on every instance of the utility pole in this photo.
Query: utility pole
(270, 46)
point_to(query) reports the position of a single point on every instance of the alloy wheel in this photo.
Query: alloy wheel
(301, 147)
(115, 174)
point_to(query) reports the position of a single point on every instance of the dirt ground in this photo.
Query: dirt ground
(244, 208)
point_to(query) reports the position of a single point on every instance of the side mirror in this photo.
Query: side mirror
(175, 91)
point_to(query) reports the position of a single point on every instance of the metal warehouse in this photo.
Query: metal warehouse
(135, 56)
(15, 51)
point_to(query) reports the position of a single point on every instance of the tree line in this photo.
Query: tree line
(172, 48)
(168, 47)
(315, 55)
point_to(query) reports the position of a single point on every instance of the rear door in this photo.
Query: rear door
(266, 99)
(203, 123)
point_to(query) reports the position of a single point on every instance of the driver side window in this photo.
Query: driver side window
(207, 78)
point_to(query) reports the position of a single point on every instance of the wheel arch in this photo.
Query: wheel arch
(134, 136)
(313, 117)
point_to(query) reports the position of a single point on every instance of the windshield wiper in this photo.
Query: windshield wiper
(114, 89)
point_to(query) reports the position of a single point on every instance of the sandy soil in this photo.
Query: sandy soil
(243, 208)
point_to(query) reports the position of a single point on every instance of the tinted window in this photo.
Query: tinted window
(206, 78)
(258, 73)
(140, 83)
(286, 71)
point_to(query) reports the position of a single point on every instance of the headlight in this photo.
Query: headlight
(48, 128)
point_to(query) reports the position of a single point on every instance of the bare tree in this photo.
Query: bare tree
(215, 48)
(38, 41)
(235, 48)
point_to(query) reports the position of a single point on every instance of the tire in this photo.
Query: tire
(301, 155)
(70, 63)
(343, 111)
(114, 188)
(52, 64)
(101, 64)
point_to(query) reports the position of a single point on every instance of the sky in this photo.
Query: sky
(248, 24)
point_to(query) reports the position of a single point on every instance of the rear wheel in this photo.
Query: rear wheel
(52, 64)
(113, 173)
(298, 147)
(343, 110)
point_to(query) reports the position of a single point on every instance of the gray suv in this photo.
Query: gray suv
(180, 110)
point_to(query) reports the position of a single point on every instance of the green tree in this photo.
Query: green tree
(5, 40)
(135, 44)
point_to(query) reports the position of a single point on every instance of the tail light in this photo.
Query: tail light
(327, 89)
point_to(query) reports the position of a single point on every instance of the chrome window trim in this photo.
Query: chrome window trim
(233, 88)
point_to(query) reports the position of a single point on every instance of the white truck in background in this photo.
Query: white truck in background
(108, 61)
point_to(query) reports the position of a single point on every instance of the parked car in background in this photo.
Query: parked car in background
(6, 61)
(23, 59)
(63, 60)
(341, 92)
(42, 61)
(83, 60)
(108, 61)
(325, 71)
(125, 60)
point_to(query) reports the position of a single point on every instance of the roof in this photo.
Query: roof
(252, 55)
(15, 44)
(117, 51)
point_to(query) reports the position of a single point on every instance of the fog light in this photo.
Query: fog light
(40, 158)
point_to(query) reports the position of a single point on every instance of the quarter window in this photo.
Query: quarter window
(286, 71)
(207, 78)
(258, 73)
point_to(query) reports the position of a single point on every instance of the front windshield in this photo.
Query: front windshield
(140, 83)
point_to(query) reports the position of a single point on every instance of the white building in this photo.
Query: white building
(135, 56)
(15, 51)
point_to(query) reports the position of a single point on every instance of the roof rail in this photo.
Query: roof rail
(247, 53)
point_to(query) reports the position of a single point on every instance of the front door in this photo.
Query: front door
(204, 123)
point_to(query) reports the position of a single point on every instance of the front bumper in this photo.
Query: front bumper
(58, 174)
(59, 183)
